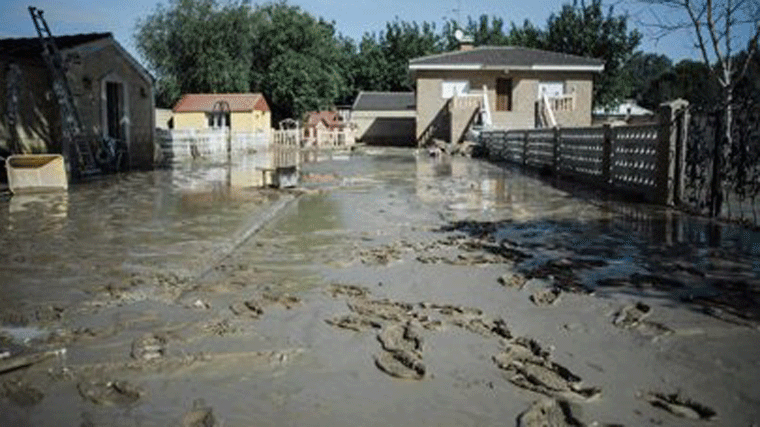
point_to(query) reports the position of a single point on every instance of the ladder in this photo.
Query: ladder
(71, 124)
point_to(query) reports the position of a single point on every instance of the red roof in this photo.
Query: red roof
(205, 102)
(331, 119)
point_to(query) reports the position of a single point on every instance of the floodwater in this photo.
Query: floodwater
(193, 283)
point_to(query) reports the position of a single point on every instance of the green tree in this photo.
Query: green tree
(585, 30)
(527, 36)
(299, 62)
(383, 58)
(641, 71)
(196, 46)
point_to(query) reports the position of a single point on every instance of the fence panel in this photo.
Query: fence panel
(540, 148)
(580, 152)
(634, 157)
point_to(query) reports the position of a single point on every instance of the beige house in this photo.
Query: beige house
(239, 112)
(113, 94)
(384, 118)
(512, 87)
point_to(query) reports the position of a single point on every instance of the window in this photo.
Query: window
(452, 88)
(219, 119)
(504, 95)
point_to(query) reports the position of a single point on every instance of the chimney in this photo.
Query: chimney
(466, 43)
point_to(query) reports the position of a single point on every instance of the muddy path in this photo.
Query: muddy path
(391, 289)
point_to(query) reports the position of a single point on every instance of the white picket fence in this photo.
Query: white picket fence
(182, 144)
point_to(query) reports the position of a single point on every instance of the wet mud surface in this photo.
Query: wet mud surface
(390, 289)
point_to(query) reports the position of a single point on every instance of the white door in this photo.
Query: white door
(551, 89)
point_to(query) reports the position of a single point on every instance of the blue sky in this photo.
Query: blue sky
(352, 17)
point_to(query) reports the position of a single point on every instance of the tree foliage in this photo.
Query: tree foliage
(300, 63)
(196, 46)
(383, 59)
(585, 30)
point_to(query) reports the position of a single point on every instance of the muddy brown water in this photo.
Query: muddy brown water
(189, 283)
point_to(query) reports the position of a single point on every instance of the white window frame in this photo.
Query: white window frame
(449, 88)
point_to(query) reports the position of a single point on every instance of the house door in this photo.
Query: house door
(114, 110)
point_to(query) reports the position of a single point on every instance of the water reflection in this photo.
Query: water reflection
(53, 207)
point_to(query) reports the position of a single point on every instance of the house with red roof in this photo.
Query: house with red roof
(238, 112)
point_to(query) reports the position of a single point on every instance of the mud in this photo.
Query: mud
(392, 288)
(680, 406)
(548, 413)
(201, 415)
(529, 367)
(104, 392)
(545, 297)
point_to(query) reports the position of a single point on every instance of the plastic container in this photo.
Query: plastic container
(36, 172)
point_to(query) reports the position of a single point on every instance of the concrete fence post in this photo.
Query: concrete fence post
(669, 153)
(607, 155)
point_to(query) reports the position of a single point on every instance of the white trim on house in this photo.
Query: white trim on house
(589, 68)
(597, 68)
(445, 67)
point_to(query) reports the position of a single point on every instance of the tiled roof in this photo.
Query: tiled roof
(384, 101)
(331, 119)
(205, 102)
(31, 46)
(505, 56)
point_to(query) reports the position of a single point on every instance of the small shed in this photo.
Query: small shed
(112, 92)
(248, 112)
(321, 121)
(385, 118)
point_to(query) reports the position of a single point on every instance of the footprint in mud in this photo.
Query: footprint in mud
(402, 351)
(401, 364)
(354, 323)
(352, 291)
(248, 308)
(484, 327)
(149, 347)
(530, 368)
(384, 309)
(512, 280)
(680, 406)
(109, 392)
(634, 316)
(201, 415)
(286, 300)
(398, 337)
(21, 394)
(548, 413)
(545, 297)
(631, 315)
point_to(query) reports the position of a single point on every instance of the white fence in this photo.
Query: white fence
(181, 144)
(329, 139)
